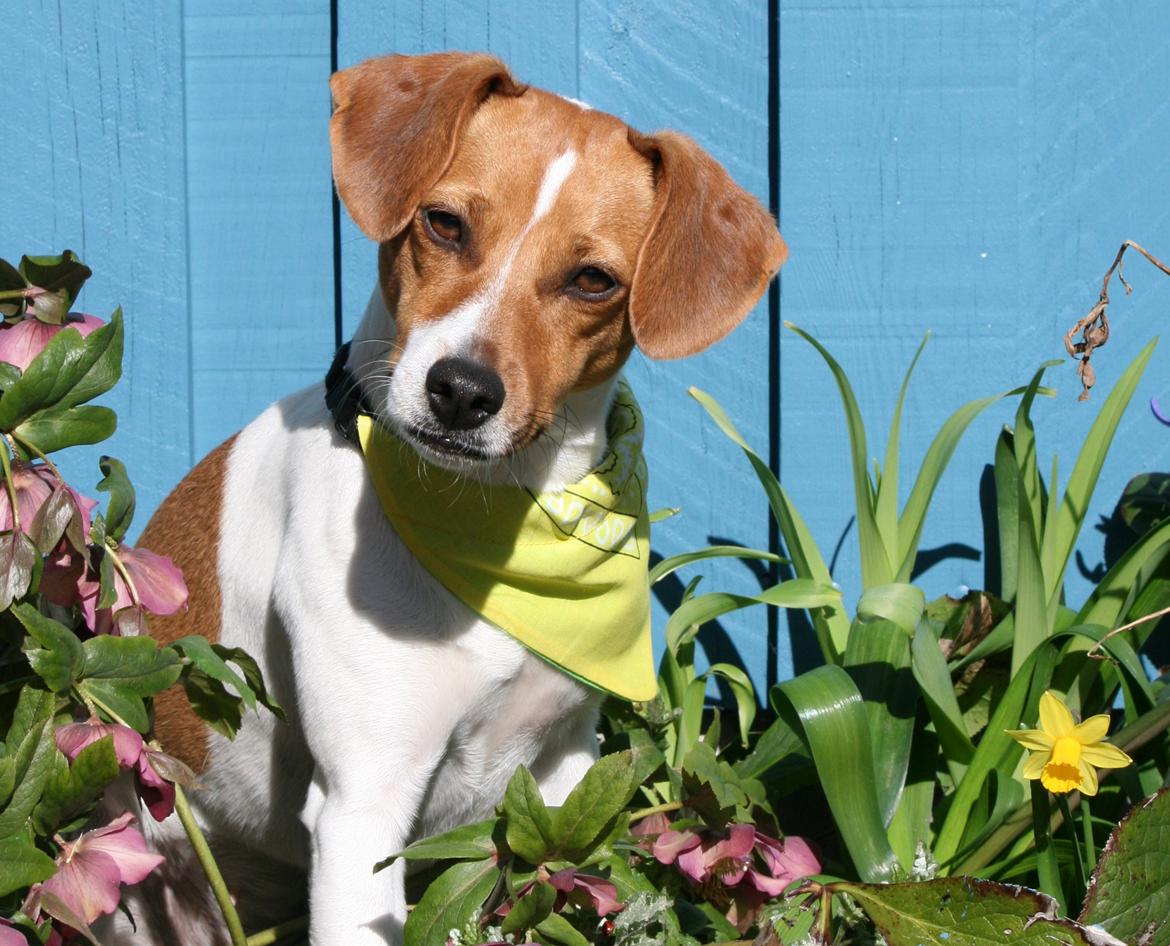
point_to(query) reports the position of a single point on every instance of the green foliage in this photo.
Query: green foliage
(59, 666)
(1129, 895)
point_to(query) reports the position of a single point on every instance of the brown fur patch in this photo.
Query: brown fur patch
(186, 527)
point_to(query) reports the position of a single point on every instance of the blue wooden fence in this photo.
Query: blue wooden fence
(964, 167)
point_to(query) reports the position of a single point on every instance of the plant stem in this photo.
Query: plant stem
(1078, 857)
(655, 809)
(8, 484)
(825, 917)
(1087, 828)
(1046, 866)
(210, 868)
(36, 451)
(278, 932)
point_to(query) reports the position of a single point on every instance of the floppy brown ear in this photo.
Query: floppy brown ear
(396, 123)
(709, 255)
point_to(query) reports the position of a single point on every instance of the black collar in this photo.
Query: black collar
(344, 396)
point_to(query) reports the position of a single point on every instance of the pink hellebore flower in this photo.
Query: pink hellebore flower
(750, 866)
(34, 484)
(581, 889)
(91, 869)
(156, 792)
(158, 581)
(10, 936)
(21, 342)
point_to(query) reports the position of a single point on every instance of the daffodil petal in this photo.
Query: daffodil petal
(1088, 778)
(1105, 756)
(1036, 739)
(1093, 729)
(1034, 767)
(1055, 718)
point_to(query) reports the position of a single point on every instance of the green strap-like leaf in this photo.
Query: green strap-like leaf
(886, 505)
(876, 566)
(120, 512)
(684, 624)
(938, 691)
(1031, 609)
(1007, 499)
(938, 455)
(1059, 541)
(669, 565)
(878, 661)
(744, 693)
(826, 707)
(831, 623)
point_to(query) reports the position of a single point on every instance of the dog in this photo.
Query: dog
(527, 243)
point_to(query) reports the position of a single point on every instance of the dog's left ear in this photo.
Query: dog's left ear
(396, 124)
(708, 257)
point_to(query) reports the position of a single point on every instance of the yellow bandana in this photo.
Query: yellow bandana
(564, 573)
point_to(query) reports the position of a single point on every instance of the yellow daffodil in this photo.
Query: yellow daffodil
(1064, 752)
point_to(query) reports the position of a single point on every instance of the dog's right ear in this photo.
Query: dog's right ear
(395, 126)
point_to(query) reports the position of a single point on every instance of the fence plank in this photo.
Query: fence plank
(91, 100)
(260, 218)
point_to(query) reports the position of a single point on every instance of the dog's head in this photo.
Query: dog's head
(529, 242)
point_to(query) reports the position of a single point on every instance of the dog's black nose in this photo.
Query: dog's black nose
(463, 394)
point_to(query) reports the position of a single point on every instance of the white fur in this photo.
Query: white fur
(407, 712)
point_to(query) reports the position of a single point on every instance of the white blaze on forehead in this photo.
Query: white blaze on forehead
(554, 179)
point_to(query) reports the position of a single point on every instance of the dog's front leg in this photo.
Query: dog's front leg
(354, 825)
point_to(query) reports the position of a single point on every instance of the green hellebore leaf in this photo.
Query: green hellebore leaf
(587, 812)
(120, 512)
(451, 902)
(72, 787)
(470, 842)
(18, 561)
(530, 909)
(120, 672)
(22, 865)
(70, 370)
(60, 427)
(1129, 895)
(32, 766)
(529, 828)
(59, 656)
(555, 930)
(63, 273)
(963, 911)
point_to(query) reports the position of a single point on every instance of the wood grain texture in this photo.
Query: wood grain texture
(259, 212)
(91, 102)
(969, 169)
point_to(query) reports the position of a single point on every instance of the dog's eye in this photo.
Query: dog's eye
(444, 227)
(593, 283)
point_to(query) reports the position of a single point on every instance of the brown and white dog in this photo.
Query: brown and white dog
(527, 244)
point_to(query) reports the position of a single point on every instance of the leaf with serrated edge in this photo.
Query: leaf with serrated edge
(22, 865)
(1129, 894)
(964, 911)
(604, 791)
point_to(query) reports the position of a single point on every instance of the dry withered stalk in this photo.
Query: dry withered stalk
(1094, 327)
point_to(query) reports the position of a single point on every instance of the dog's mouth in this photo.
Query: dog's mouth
(447, 445)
